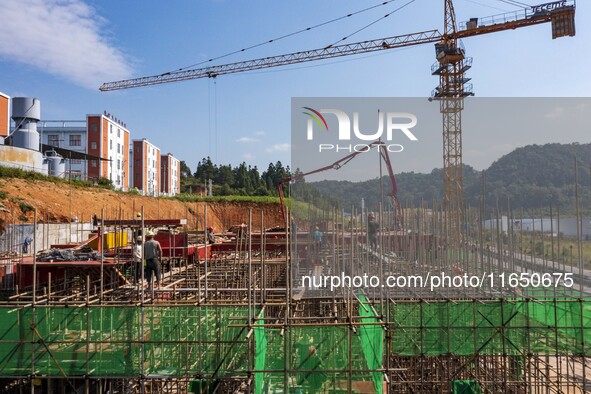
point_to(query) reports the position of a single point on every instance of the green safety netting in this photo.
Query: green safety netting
(318, 358)
(372, 342)
(211, 342)
(107, 341)
(203, 386)
(513, 327)
(315, 359)
(260, 353)
(466, 387)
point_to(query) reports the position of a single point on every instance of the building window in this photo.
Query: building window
(137, 175)
(93, 145)
(119, 148)
(118, 132)
(118, 164)
(75, 161)
(53, 140)
(93, 163)
(111, 144)
(93, 127)
(110, 128)
(75, 140)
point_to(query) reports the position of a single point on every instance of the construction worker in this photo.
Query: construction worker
(317, 236)
(137, 259)
(372, 231)
(310, 362)
(152, 255)
(26, 244)
(209, 235)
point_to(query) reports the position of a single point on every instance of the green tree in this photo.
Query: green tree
(206, 170)
(185, 170)
(225, 175)
(242, 179)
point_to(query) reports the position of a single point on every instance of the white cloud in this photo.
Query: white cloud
(246, 139)
(278, 148)
(248, 156)
(259, 133)
(63, 38)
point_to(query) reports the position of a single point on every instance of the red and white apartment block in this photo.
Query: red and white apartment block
(146, 167)
(170, 170)
(108, 138)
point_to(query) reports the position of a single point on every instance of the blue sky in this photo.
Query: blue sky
(62, 50)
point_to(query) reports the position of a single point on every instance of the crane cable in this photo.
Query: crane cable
(369, 25)
(287, 35)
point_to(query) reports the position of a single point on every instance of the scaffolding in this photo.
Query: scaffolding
(239, 320)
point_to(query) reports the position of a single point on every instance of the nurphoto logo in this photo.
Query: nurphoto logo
(388, 123)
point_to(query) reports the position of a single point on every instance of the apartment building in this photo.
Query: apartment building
(4, 115)
(108, 138)
(170, 170)
(146, 167)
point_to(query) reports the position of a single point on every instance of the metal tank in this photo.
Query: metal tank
(45, 167)
(26, 112)
(56, 165)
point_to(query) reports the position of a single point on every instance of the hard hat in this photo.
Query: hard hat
(139, 238)
(139, 215)
(210, 228)
(149, 233)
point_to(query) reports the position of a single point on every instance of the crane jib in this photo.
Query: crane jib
(400, 41)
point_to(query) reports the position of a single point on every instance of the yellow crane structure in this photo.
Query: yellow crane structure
(450, 67)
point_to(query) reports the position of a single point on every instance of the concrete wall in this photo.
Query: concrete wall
(45, 235)
(26, 159)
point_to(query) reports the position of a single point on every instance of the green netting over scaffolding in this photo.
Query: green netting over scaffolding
(314, 359)
(208, 343)
(122, 341)
(513, 327)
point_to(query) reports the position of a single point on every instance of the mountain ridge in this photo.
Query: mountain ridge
(529, 177)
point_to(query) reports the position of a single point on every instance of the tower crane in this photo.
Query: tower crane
(450, 66)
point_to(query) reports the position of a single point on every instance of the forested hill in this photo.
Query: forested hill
(531, 177)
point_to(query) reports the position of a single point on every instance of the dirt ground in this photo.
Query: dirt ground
(58, 203)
